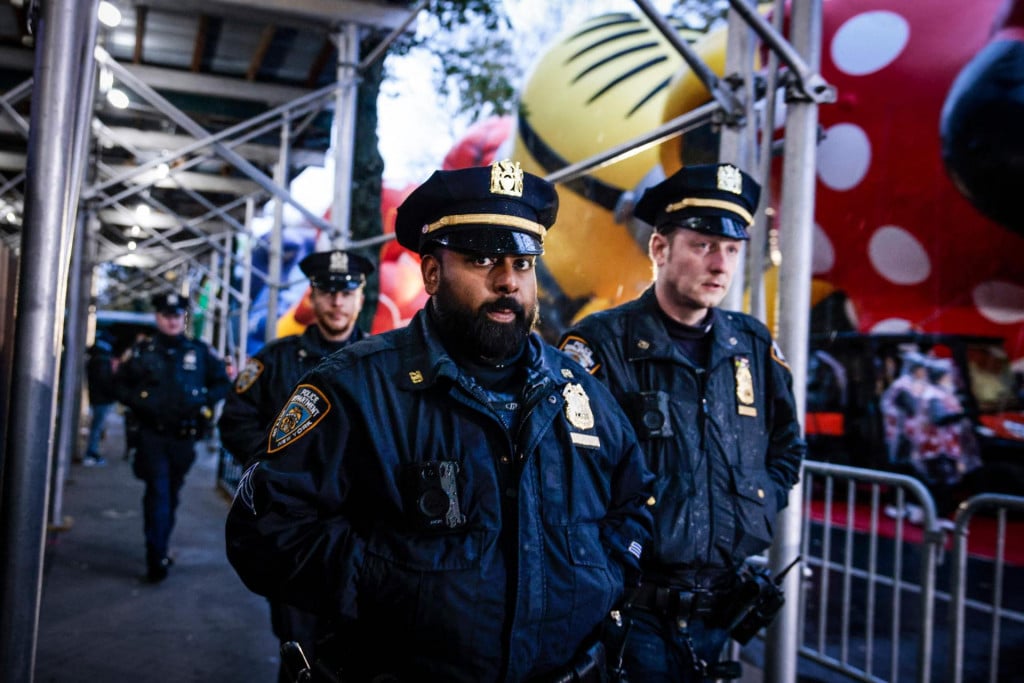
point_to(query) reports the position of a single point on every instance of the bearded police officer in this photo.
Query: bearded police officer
(337, 279)
(710, 396)
(170, 383)
(460, 496)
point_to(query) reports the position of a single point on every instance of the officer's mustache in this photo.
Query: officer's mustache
(505, 303)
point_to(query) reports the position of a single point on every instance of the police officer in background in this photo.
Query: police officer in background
(459, 495)
(337, 280)
(170, 383)
(710, 396)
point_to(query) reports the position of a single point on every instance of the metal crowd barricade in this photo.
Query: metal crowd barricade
(995, 609)
(864, 599)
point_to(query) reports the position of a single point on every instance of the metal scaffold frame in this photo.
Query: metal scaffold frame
(60, 242)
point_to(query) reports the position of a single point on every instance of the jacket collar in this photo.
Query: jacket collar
(647, 337)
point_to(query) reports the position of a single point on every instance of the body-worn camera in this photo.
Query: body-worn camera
(431, 495)
(650, 410)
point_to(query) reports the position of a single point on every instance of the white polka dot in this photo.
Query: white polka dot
(869, 42)
(844, 156)
(1000, 302)
(823, 255)
(891, 326)
(898, 256)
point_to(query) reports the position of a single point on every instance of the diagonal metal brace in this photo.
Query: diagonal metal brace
(809, 84)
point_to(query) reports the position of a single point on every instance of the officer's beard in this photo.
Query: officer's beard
(473, 335)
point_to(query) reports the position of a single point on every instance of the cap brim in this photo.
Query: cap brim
(490, 240)
(709, 225)
(340, 284)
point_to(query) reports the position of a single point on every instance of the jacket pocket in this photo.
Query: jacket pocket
(596, 580)
(754, 496)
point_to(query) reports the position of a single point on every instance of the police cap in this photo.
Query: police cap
(716, 199)
(496, 209)
(170, 303)
(336, 270)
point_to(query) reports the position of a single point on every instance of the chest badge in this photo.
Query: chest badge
(190, 360)
(577, 407)
(744, 387)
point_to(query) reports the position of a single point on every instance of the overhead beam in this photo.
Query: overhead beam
(332, 12)
(153, 140)
(215, 86)
(200, 182)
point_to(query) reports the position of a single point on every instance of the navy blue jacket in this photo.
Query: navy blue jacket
(266, 382)
(168, 381)
(325, 520)
(731, 449)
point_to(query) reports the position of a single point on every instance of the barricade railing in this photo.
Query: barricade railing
(995, 608)
(864, 599)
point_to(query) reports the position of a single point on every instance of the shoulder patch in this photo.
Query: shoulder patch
(777, 355)
(248, 376)
(300, 414)
(580, 351)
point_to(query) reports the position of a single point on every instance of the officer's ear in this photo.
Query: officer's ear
(658, 247)
(430, 268)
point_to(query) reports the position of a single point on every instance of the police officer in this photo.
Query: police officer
(710, 396)
(460, 496)
(170, 383)
(337, 280)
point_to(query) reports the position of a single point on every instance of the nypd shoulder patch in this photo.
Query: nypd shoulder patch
(248, 376)
(580, 352)
(301, 413)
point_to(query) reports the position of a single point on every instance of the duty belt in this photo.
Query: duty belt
(675, 603)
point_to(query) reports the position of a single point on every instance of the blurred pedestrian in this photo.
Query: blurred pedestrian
(99, 371)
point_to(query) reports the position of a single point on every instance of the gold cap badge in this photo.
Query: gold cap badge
(507, 178)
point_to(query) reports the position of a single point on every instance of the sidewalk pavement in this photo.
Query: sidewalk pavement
(101, 621)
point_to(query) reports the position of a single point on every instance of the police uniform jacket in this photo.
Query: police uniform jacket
(168, 380)
(731, 448)
(266, 382)
(326, 519)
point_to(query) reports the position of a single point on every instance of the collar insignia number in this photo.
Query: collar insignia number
(507, 178)
(777, 355)
(567, 373)
(248, 376)
(304, 410)
(416, 376)
(744, 387)
(580, 352)
(577, 407)
(339, 262)
(730, 180)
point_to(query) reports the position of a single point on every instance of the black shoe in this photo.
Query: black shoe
(157, 571)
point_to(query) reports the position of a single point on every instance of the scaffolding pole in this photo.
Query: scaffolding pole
(796, 220)
(27, 464)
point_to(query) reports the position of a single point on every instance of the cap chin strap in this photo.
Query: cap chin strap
(498, 219)
(711, 204)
